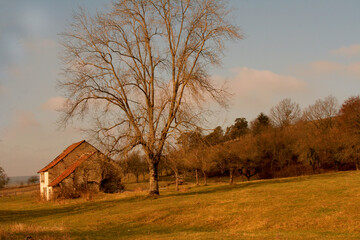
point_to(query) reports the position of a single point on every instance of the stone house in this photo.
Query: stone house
(80, 165)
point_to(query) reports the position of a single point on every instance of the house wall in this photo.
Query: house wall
(67, 161)
(45, 190)
(89, 174)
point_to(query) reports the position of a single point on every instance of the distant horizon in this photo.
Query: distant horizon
(24, 176)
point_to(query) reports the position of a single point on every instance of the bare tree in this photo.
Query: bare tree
(175, 161)
(135, 164)
(285, 113)
(140, 68)
(226, 159)
(322, 113)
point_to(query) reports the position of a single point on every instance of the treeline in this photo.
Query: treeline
(289, 141)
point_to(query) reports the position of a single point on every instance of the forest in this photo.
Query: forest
(290, 141)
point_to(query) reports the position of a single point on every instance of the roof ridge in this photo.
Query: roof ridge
(62, 155)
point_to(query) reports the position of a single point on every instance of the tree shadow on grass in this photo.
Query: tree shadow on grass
(130, 230)
(242, 185)
(8, 216)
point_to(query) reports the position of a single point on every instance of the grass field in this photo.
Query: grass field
(323, 206)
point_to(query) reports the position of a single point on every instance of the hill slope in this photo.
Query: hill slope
(311, 207)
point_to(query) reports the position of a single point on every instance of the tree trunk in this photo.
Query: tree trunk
(143, 174)
(153, 178)
(205, 180)
(137, 177)
(357, 166)
(231, 177)
(197, 177)
(176, 180)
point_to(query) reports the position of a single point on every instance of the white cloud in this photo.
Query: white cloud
(354, 69)
(255, 91)
(249, 81)
(25, 120)
(327, 68)
(39, 44)
(349, 51)
(54, 104)
(3, 90)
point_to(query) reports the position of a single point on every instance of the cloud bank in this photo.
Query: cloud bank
(349, 51)
(54, 104)
(251, 81)
(330, 68)
(254, 91)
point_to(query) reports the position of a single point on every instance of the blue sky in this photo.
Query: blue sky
(304, 50)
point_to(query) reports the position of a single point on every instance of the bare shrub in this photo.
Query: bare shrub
(65, 192)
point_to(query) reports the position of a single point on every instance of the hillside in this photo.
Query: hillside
(310, 207)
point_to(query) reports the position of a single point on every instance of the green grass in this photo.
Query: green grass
(311, 207)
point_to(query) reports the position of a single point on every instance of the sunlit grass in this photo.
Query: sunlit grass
(310, 207)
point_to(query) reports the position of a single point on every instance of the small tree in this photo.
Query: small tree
(175, 160)
(136, 165)
(246, 150)
(200, 158)
(190, 142)
(33, 180)
(3, 178)
(350, 115)
(215, 137)
(226, 159)
(239, 128)
(260, 123)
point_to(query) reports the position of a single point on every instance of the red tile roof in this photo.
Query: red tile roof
(62, 155)
(71, 169)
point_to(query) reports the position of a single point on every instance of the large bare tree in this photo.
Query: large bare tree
(140, 68)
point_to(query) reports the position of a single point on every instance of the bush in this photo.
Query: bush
(65, 192)
(111, 185)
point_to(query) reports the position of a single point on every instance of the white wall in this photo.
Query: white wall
(45, 190)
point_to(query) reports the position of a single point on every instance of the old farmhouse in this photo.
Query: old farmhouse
(80, 165)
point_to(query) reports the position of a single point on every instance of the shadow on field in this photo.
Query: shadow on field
(60, 210)
(240, 185)
(57, 211)
(135, 231)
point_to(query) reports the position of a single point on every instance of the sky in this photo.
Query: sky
(304, 50)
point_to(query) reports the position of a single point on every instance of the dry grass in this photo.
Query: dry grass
(13, 191)
(310, 207)
(23, 228)
(36, 232)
